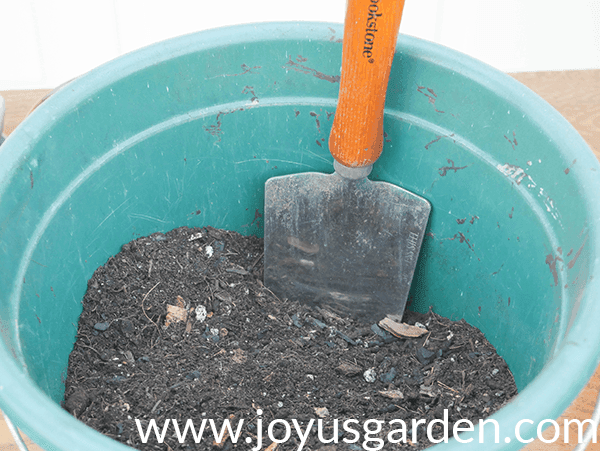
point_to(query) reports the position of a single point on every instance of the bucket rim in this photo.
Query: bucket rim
(578, 354)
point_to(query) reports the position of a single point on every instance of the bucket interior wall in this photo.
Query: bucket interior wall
(187, 134)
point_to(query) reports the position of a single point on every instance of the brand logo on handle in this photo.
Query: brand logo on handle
(371, 29)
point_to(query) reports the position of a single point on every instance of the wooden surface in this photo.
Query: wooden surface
(575, 94)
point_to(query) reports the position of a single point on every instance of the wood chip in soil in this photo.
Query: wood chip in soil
(179, 326)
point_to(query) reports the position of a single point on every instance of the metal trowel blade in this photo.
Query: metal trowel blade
(348, 245)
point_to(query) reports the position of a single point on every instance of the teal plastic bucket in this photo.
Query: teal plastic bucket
(186, 132)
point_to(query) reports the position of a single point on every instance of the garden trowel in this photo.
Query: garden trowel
(340, 240)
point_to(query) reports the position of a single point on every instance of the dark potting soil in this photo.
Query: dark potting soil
(178, 326)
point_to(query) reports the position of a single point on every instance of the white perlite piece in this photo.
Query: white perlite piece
(370, 375)
(209, 251)
(322, 412)
(201, 313)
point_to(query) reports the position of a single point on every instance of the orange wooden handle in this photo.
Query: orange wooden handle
(370, 33)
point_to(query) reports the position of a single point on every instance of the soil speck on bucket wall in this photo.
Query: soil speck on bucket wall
(179, 327)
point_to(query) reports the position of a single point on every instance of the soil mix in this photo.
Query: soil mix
(179, 327)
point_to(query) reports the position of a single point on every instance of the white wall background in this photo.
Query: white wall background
(44, 43)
